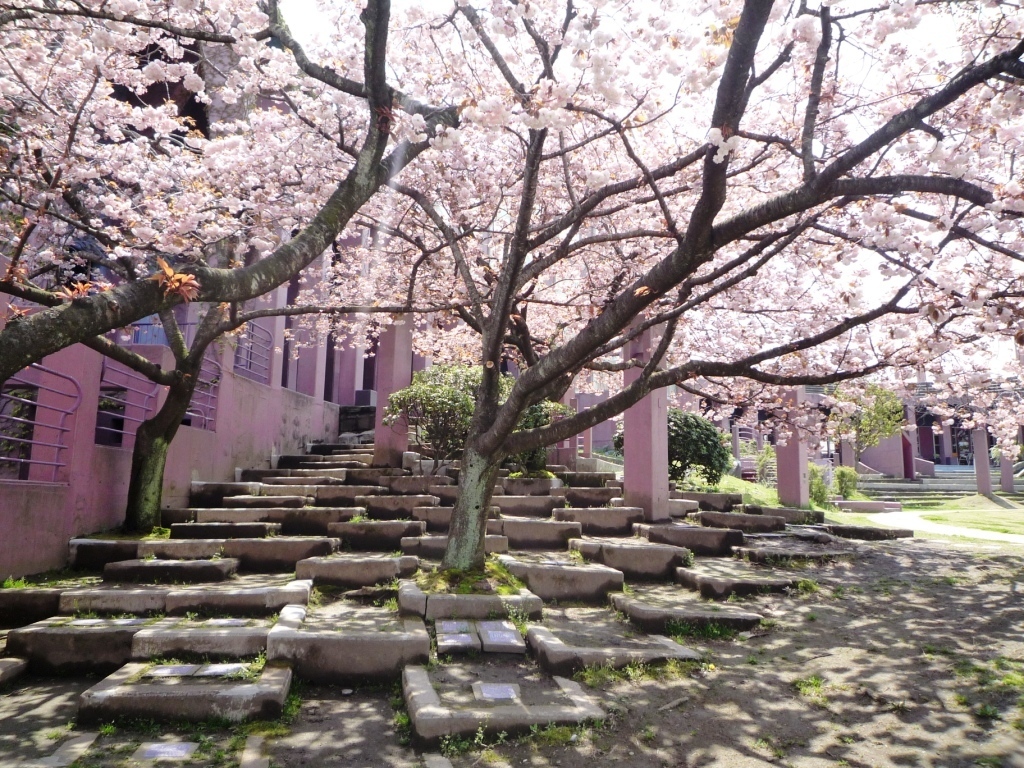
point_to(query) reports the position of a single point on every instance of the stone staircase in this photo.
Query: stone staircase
(950, 482)
(309, 570)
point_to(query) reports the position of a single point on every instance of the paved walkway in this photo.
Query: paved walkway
(914, 521)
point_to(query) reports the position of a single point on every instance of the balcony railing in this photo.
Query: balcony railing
(253, 353)
(126, 400)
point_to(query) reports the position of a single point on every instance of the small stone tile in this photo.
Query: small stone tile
(226, 622)
(502, 641)
(453, 626)
(496, 626)
(165, 750)
(496, 691)
(462, 642)
(88, 622)
(127, 622)
(221, 670)
(173, 670)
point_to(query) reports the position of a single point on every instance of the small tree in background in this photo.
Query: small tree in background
(868, 418)
(535, 461)
(693, 443)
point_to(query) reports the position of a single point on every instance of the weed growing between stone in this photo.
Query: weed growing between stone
(495, 578)
(605, 675)
(711, 630)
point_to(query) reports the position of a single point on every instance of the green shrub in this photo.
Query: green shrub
(693, 443)
(819, 491)
(538, 415)
(845, 481)
(765, 464)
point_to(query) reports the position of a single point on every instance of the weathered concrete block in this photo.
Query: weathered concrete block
(586, 479)
(354, 571)
(279, 553)
(433, 547)
(448, 494)
(869, 533)
(345, 495)
(529, 486)
(566, 581)
(303, 480)
(170, 571)
(107, 599)
(213, 494)
(718, 502)
(377, 534)
(11, 669)
(267, 502)
(739, 522)
(717, 581)
(682, 507)
(559, 658)
(93, 554)
(591, 497)
(638, 560)
(311, 521)
(395, 507)
(790, 515)
(445, 606)
(411, 599)
(439, 518)
(703, 542)
(415, 484)
(372, 475)
(500, 636)
(224, 530)
(216, 639)
(181, 549)
(76, 646)
(602, 521)
(19, 607)
(660, 618)
(525, 506)
(537, 534)
(241, 601)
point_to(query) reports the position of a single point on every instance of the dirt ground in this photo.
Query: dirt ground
(911, 655)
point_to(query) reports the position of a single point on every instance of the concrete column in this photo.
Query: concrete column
(566, 451)
(982, 471)
(394, 372)
(1005, 474)
(847, 454)
(277, 361)
(791, 462)
(946, 444)
(736, 441)
(645, 443)
(320, 369)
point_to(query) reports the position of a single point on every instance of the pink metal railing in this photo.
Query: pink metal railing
(126, 400)
(202, 412)
(253, 353)
(35, 409)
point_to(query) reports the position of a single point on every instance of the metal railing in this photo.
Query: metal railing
(126, 400)
(202, 412)
(150, 330)
(35, 409)
(254, 353)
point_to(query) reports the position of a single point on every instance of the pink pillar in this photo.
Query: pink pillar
(567, 450)
(277, 361)
(1005, 474)
(982, 470)
(791, 462)
(735, 441)
(588, 444)
(394, 372)
(847, 454)
(645, 443)
(946, 445)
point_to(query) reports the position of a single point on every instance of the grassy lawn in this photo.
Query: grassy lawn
(992, 518)
(753, 493)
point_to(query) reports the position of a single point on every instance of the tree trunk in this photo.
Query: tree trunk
(149, 457)
(469, 518)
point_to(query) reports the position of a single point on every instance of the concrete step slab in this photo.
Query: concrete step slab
(224, 530)
(438, 519)
(267, 502)
(346, 495)
(662, 618)
(569, 653)
(703, 542)
(602, 521)
(279, 553)
(336, 462)
(433, 606)
(448, 494)
(636, 558)
(182, 549)
(93, 554)
(240, 601)
(790, 515)
(395, 507)
(306, 481)
(561, 581)
(682, 507)
(530, 486)
(220, 638)
(66, 646)
(11, 668)
(353, 644)
(304, 521)
(868, 533)
(371, 535)
(433, 547)
(373, 475)
(415, 484)
(526, 506)
(132, 691)
(355, 571)
(591, 497)
(740, 522)
(170, 571)
(783, 554)
(113, 599)
(720, 579)
(205, 494)
(19, 607)
(712, 502)
(586, 479)
(527, 533)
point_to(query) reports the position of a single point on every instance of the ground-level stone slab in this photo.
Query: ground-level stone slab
(115, 600)
(377, 534)
(62, 645)
(354, 643)
(719, 579)
(869, 533)
(355, 571)
(181, 549)
(703, 542)
(240, 601)
(719, 502)
(792, 515)
(741, 522)
(782, 554)
(11, 668)
(635, 558)
(527, 533)
(213, 638)
(500, 636)
(128, 692)
(664, 617)
(433, 717)
(558, 657)
(602, 521)
(412, 600)
(557, 580)
(170, 571)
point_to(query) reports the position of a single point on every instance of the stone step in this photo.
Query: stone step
(20, 607)
(682, 507)
(347, 495)
(219, 638)
(203, 494)
(170, 571)
(868, 533)
(186, 692)
(526, 506)
(527, 533)
(572, 652)
(703, 542)
(229, 598)
(11, 668)
(224, 530)
(529, 486)
(353, 643)
(336, 463)
(260, 475)
(278, 553)
(373, 475)
(782, 554)
(377, 534)
(433, 547)
(395, 507)
(740, 522)
(345, 570)
(93, 554)
(413, 600)
(636, 558)
(267, 502)
(303, 521)
(306, 480)
(667, 618)
(309, 461)
(182, 549)
(591, 497)
(718, 580)
(415, 484)
(439, 518)
(448, 494)
(602, 521)
(790, 515)
(561, 581)
(586, 479)
(712, 502)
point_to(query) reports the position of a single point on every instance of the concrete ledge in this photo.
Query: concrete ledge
(526, 506)
(225, 530)
(529, 486)
(660, 618)
(415, 484)
(564, 581)
(353, 571)
(602, 521)
(81, 646)
(204, 494)
(775, 555)
(303, 480)
(176, 637)
(717, 581)
(716, 502)
(413, 600)
(587, 479)
(115, 600)
(591, 497)
(372, 475)
(431, 720)
(438, 519)
(869, 533)
(268, 502)
(791, 515)
(525, 533)
(433, 547)
(682, 507)
(740, 522)
(869, 506)
(345, 495)
(638, 560)
(557, 658)
(11, 669)
(19, 607)
(251, 601)
(232, 700)
(703, 542)
(93, 554)
(377, 534)
(278, 554)
(181, 549)
(395, 507)
(170, 571)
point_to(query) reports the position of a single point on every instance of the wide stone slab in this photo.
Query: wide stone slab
(587, 479)
(703, 542)
(777, 555)
(240, 601)
(557, 657)
(493, 707)
(448, 494)
(181, 549)
(739, 522)
(433, 606)
(415, 484)
(529, 486)
(719, 580)
(438, 519)
(634, 558)
(559, 581)
(526, 533)
(662, 618)
(19, 607)
(304, 480)
(869, 533)
(591, 497)
(225, 530)
(433, 547)
(205, 494)
(372, 475)
(346, 495)
(170, 571)
(602, 521)
(395, 507)
(377, 534)
(93, 554)
(715, 502)
(792, 515)
(61, 645)
(266, 502)
(232, 638)
(294, 521)
(111, 599)
(128, 692)
(682, 507)
(11, 669)
(279, 553)
(526, 506)
(355, 571)
(359, 643)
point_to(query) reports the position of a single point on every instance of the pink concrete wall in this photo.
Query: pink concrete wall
(886, 457)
